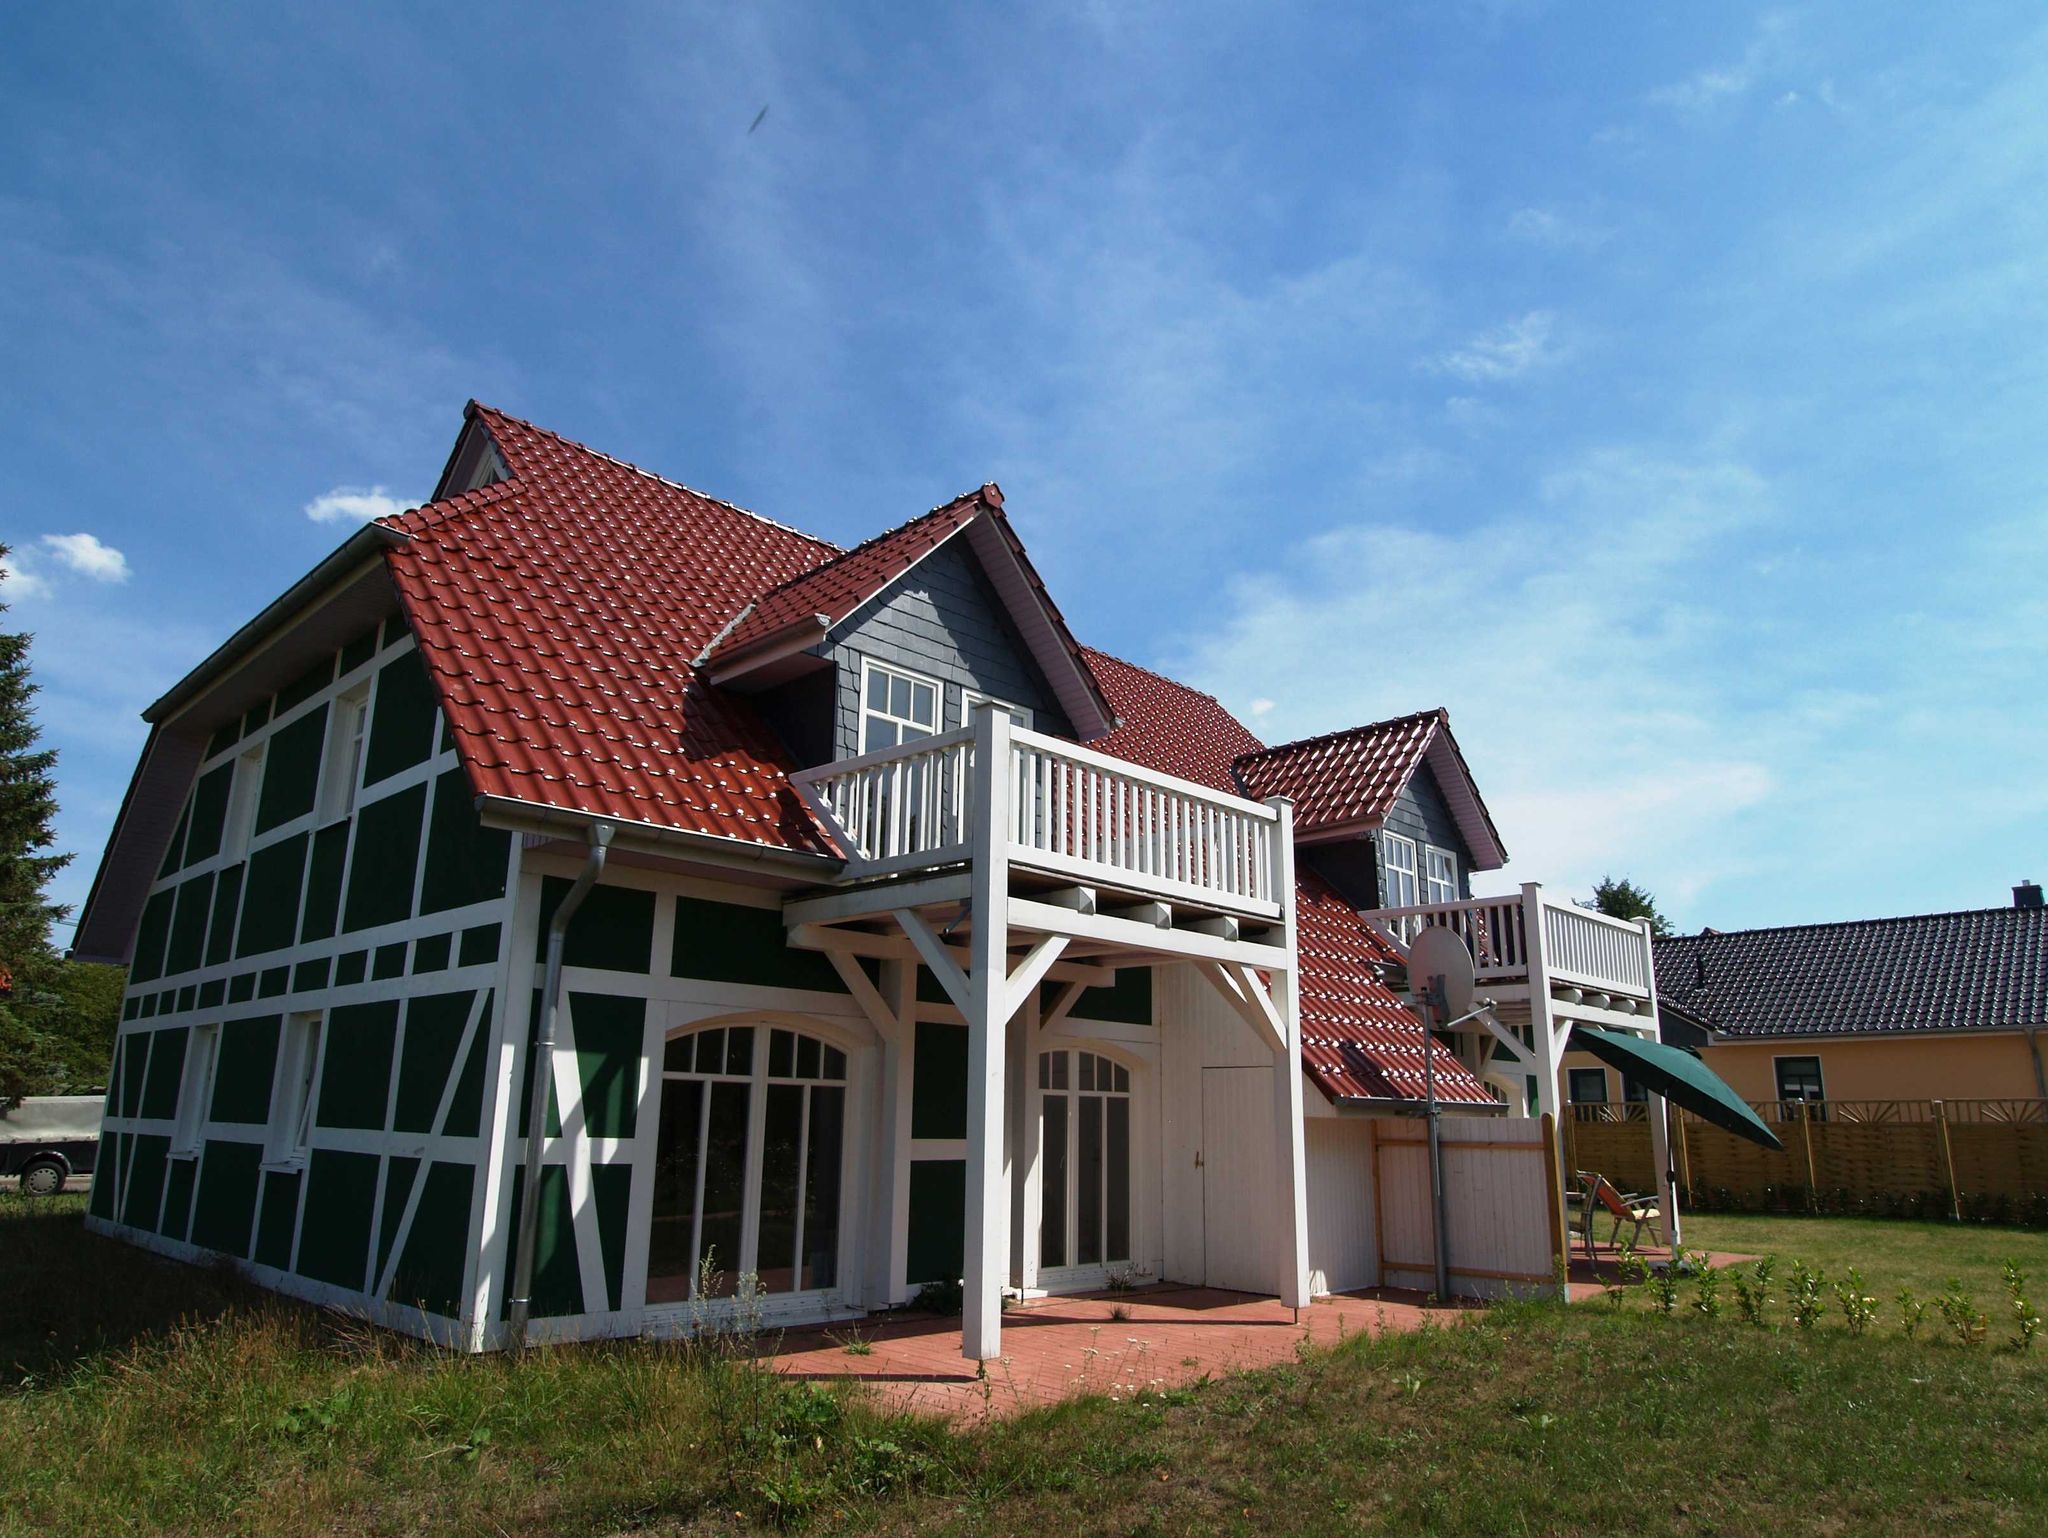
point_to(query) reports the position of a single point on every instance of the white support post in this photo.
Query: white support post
(890, 1186)
(1025, 1171)
(1660, 1113)
(986, 1262)
(1543, 1036)
(1291, 1162)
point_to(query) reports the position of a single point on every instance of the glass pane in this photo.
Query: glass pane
(739, 1051)
(1088, 1186)
(1123, 1080)
(878, 734)
(1052, 1228)
(710, 1051)
(1059, 1070)
(807, 1051)
(1044, 1069)
(775, 1249)
(679, 1055)
(821, 1187)
(1087, 1070)
(782, 1055)
(725, 1173)
(899, 698)
(835, 1063)
(878, 690)
(923, 706)
(1118, 1179)
(670, 1263)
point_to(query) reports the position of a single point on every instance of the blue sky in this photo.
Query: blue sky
(1660, 389)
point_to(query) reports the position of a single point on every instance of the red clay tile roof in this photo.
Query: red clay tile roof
(559, 610)
(845, 582)
(1358, 1040)
(1352, 778)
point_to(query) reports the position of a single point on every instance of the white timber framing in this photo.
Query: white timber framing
(1020, 936)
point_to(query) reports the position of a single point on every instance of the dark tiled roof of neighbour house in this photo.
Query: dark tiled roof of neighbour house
(1984, 969)
(563, 613)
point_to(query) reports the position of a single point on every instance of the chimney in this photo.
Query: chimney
(2027, 895)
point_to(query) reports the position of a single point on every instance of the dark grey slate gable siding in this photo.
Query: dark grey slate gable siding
(1421, 813)
(940, 619)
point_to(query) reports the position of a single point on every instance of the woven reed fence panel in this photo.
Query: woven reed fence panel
(1865, 1156)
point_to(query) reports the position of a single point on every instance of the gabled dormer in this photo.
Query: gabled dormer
(901, 636)
(1387, 813)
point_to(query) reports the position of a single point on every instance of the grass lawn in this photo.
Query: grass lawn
(161, 1398)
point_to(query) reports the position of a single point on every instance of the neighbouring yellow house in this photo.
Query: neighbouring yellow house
(1948, 1006)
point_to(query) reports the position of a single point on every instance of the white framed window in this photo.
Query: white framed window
(1397, 860)
(195, 1090)
(1439, 875)
(1084, 1107)
(969, 698)
(298, 1076)
(1586, 1086)
(1799, 1078)
(242, 803)
(895, 706)
(342, 772)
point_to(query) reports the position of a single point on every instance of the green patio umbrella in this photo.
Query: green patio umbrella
(1678, 1076)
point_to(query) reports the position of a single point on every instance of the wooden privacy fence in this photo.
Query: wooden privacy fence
(1978, 1159)
(1499, 1202)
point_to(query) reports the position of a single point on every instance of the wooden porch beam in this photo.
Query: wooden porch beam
(1144, 939)
(870, 902)
(867, 942)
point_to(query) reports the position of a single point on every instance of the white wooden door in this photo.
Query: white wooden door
(1239, 1205)
(1342, 1251)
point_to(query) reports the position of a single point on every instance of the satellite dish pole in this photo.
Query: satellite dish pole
(1439, 961)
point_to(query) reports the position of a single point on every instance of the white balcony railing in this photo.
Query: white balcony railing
(1071, 811)
(1578, 946)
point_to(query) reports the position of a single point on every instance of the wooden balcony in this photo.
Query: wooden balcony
(1068, 813)
(1589, 966)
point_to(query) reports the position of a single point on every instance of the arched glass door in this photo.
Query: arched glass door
(748, 1161)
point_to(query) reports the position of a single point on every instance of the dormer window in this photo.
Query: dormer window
(1399, 863)
(1439, 875)
(896, 707)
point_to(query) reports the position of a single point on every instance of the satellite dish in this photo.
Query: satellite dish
(1438, 952)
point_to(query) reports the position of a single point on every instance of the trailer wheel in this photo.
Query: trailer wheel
(44, 1177)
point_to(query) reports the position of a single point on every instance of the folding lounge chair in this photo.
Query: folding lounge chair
(1642, 1211)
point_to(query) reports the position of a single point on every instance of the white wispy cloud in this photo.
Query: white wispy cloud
(1584, 678)
(17, 581)
(88, 556)
(1707, 88)
(355, 504)
(1506, 352)
(1556, 230)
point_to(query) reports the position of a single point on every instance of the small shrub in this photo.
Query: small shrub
(1959, 1312)
(1753, 1291)
(1804, 1299)
(1859, 1308)
(1664, 1286)
(942, 1298)
(1912, 1313)
(1707, 1299)
(2025, 1320)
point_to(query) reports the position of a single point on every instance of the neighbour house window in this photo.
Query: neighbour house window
(195, 1090)
(1799, 1078)
(1633, 1092)
(1439, 875)
(1400, 866)
(896, 707)
(748, 1162)
(1085, 1199)
(291, 1121)
(241, 824)
(1586, 1086)
(343, 770)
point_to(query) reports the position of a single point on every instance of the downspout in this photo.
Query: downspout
(2040, 1078)
(520, 1303)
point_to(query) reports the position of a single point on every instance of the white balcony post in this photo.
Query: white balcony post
(1660, 1112)
(988, 1185)
(1287, 1108)
(1543, 1031)
(1026, 1156)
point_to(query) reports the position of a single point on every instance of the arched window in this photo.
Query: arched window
(1085, 1202)
(748, 1161)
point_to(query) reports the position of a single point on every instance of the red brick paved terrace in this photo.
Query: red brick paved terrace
(1057, 1348)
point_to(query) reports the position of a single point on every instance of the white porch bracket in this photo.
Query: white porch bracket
(868, 996)
(1055, 1017)
(1242, 990)
(939, 957)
